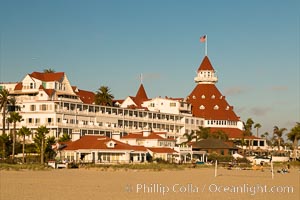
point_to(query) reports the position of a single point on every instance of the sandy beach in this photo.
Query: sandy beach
(92, 184)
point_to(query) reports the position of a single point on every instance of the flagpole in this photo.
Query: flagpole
(206, 45)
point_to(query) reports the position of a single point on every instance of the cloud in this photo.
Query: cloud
(258, 111)
(235, 91)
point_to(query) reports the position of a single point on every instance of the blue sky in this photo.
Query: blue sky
(253, 45)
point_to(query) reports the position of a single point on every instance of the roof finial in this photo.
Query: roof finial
(141, 78)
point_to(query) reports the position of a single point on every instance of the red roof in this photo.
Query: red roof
(162, 150)
(205, 65)
(19, 86)
(85, 96)
(98, 142)
(207, 102)
(56, 76)
(140, 96)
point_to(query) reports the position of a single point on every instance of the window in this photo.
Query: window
(202, 107)
(37, 120)
(43, 107)
(31, 85)
(203, 96)
(173, 104)
(194, 97)
(261, 143)
(151, 105)
(49, 120)
(30, 120)
(216, 107)
(32, 108)
(213, 96)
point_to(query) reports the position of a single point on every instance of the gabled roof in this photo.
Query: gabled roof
(48, 91)
(208, 102)
(98, 142)
(56, 76)
(205, 65)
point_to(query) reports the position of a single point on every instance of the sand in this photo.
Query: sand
(94, 184)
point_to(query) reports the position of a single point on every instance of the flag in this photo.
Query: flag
(203, 38)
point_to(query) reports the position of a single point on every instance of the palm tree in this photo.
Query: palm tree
(49, 152)
(64, 138)
(49, 70)
(4, 100)
(4, 139)
(104, 97)
(202, 133)
(257, 126)
(221, 135)
(278, 132)
(189, 137)
(294, 136)
(39, 140)
(23, 132)
(248, 126)
(14, 118)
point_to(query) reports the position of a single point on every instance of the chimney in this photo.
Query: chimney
(75, 135)
(146, 133)
(116, 136)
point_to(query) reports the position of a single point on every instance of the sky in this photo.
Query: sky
(253, 46)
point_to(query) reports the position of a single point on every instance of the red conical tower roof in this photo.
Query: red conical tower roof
(205, 65)
(140, 96)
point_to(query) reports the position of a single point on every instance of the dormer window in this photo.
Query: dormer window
(203, 96)
(194, 97)
(110, 144)
(216, 107)
(227, 107)
(213, 96)
(202, 107)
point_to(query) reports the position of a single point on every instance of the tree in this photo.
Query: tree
(294, 136)
(14, 118)
(39, 140)
(49, 70)
(248, 127)
(104, 97)
(257, 126)
(202, 133)
(279, 133)
(4, 140)
(189, 137)
(64, 138)
(4, 100)
(221, 135)
(23, 132)
(49, 152)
